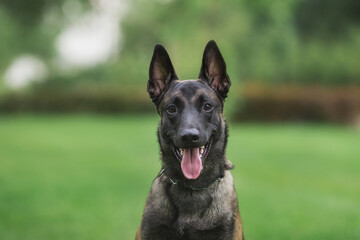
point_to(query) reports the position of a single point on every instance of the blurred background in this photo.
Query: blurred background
(78, 149)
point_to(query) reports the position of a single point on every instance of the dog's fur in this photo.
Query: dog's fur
(177, 207)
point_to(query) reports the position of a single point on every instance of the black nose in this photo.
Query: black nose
(189, 136)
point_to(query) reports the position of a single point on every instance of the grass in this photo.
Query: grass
(87, 177)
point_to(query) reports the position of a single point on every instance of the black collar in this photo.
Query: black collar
(174, 182)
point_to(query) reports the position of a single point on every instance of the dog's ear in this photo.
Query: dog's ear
(161, 73)
(213, 70)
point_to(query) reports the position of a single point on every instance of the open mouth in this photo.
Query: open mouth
(192, 159)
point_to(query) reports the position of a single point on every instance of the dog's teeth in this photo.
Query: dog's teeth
(182, 151)
(201, 150)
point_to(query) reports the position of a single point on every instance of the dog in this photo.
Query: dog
(193, 196)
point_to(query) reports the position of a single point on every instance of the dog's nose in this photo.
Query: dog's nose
(189, 136)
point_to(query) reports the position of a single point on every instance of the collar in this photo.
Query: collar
(174, 182)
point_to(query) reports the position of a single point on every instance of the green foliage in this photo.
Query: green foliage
(30, 27)
(326, 18)
(260, 41)
(87, 177)
(286, 42)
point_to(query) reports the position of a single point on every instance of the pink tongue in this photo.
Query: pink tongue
(191, 164)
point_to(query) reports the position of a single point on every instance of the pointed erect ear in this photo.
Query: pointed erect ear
(161, 73)
(213, 70)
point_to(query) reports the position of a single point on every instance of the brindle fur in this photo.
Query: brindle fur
(176, 211)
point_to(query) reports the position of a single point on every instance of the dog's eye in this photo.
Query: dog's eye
(207, 107)
(171, 109)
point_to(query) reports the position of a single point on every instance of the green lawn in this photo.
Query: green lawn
(87, 177)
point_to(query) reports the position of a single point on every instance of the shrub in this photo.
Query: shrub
(297, 103)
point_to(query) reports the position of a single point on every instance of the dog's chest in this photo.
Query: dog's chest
(201, 211)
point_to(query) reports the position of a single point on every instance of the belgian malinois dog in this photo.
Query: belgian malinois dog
(193, 196)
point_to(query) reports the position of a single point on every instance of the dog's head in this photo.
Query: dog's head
(192, 131)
